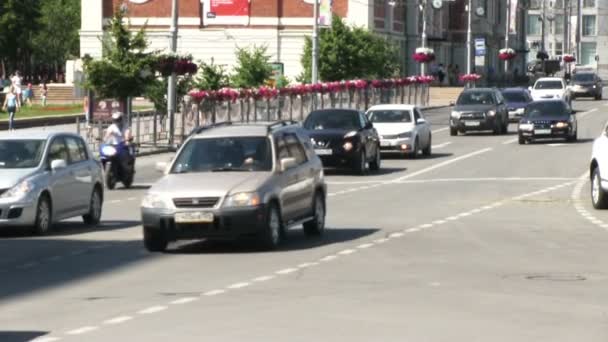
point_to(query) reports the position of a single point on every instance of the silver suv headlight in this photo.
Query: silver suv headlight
(243, 199)
(155, 201)
(19, 191)
(455, 114)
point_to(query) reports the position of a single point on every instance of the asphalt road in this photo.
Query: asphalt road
(486, 240)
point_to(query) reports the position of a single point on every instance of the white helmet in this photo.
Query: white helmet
(117, 116)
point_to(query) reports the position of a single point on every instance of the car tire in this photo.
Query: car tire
(93, 217)
(427, 150)
(155, 240)
(573, 137)
(415, 149)
(521, 140)
(453, 131)
(109, 177)
(273, 229)
(598, 97)
(505, 127)
(128, 182)
(44, 216)
(360, 163)
(375, 164)
(497, 128)
(316, 226)
(599, 197)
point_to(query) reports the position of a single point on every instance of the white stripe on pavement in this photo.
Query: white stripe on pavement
(442, 164)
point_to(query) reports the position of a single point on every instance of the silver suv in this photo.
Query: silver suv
(233, 181)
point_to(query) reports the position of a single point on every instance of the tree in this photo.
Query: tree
(18, 23)
(349, 53)
(57, 38)
(125, 69)
(253, 67)
(211, 77)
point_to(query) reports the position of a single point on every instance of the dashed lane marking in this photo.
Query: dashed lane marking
(82, 330)
(46, 339)
(184, 300)
(510, 141)
(214, 292)
(286, 271)
(238, 286)
(263, 278)
(440, 130)
(440, 146)
(152, 309)
(117, 320)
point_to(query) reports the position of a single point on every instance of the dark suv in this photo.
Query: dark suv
(479, 109)
(233, 181)
(586, 84)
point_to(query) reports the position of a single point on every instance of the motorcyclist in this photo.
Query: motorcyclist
(118, 133)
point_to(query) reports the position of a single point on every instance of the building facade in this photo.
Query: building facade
(568, 30)
(213, 29)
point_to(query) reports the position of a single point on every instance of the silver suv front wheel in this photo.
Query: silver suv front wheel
(316, 226)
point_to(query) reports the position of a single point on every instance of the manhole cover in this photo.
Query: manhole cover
(555, 277)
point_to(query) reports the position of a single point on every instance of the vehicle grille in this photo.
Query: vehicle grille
(473, 116)
(543, 124)
(196, 202)
(325, 143)
(391, 136)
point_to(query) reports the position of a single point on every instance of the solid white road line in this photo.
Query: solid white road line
(263, 278)
(82, 330)
(347, 252)
(238, 286)
(440, 130)
(442, 164)
(328, 258)
(438, 146)
(118, 320)
(152, 309)
(214, 292)
(184, 300)
(510, 141)
(286, 271)
(365, 245)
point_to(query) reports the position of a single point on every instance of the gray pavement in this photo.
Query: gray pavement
(486, 240)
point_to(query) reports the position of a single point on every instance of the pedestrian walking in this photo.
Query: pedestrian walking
(85, 107)
(441, 73)
(16, 83)
(28, 94)
(11, 105)
(44, 91)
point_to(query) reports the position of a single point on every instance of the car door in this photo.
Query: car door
(81, 170)
(304, 190)
(61, 183)
(368, 136)
(423, 130)
(288, 181)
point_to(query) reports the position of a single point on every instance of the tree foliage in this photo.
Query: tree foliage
(126, 68)
(211, 76)
(18, 26)
(349, 53)
(57, 38)
(253, 67)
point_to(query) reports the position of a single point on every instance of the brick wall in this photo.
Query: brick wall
(153, 8)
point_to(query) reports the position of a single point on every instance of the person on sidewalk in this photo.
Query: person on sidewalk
(44, 91)
(16, 83)
(11, 105)
(28, 94)
(87, 114)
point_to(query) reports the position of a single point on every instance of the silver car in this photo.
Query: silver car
(47, 177)
(236, 181)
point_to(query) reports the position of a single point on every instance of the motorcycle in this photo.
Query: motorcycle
(118, 163)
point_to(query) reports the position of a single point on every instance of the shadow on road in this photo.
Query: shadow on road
(133, 187)
(67, 228)
(561, 141)
(296, 240)
(20, 336)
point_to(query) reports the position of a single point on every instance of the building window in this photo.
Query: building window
(559, 48)
(558, 4)
(534, 24)
(588, 51)
(535, 4)
(589, 25)
(558, 25)
(588, 3)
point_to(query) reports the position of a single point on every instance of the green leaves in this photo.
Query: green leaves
(211, 77)
(349, 53)
(253, 67)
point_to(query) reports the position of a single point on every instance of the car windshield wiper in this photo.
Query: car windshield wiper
(229, 168)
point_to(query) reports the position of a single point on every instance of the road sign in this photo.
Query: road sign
(480, 47)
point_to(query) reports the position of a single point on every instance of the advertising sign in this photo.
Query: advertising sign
(104, 108)
(221, 12)
(513, 17)
(480, 46)
(325, 12)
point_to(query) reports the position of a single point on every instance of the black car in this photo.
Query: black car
(479, 109)
(344, 138)
(586, 84)
(546, 120)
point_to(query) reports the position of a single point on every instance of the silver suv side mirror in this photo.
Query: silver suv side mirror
(288, 163)
(58, 164)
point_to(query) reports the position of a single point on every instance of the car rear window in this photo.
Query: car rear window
(381, 116)
(515, 96)
(475, 98)
(548, 85)
(546, 109)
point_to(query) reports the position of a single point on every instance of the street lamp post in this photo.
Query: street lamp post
(469, 38)
(508, 21)
(423, 10)
(171, 96)
(315, 43)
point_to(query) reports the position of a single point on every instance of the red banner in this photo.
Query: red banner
(223, 8)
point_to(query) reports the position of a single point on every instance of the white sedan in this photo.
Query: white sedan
(551, 88)
(402, 128)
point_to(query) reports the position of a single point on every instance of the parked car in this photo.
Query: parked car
(586, 84)
(48, 177)
(402, 129)
(479, 109)
(516, 100)
(235, 181)
(551, 88)
(548, 119)
(598, 171)
(344, 138)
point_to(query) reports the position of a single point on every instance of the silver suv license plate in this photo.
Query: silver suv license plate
(194, 217)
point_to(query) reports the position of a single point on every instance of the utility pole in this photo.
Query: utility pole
(171, 96)
(566, 43)
(507, 24)
(579, 25)
(469, 38)
(423, 10)
(315, 43)
(542, 28)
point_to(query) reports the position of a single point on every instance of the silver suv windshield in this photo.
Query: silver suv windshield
(224, 154)
(20, 154)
